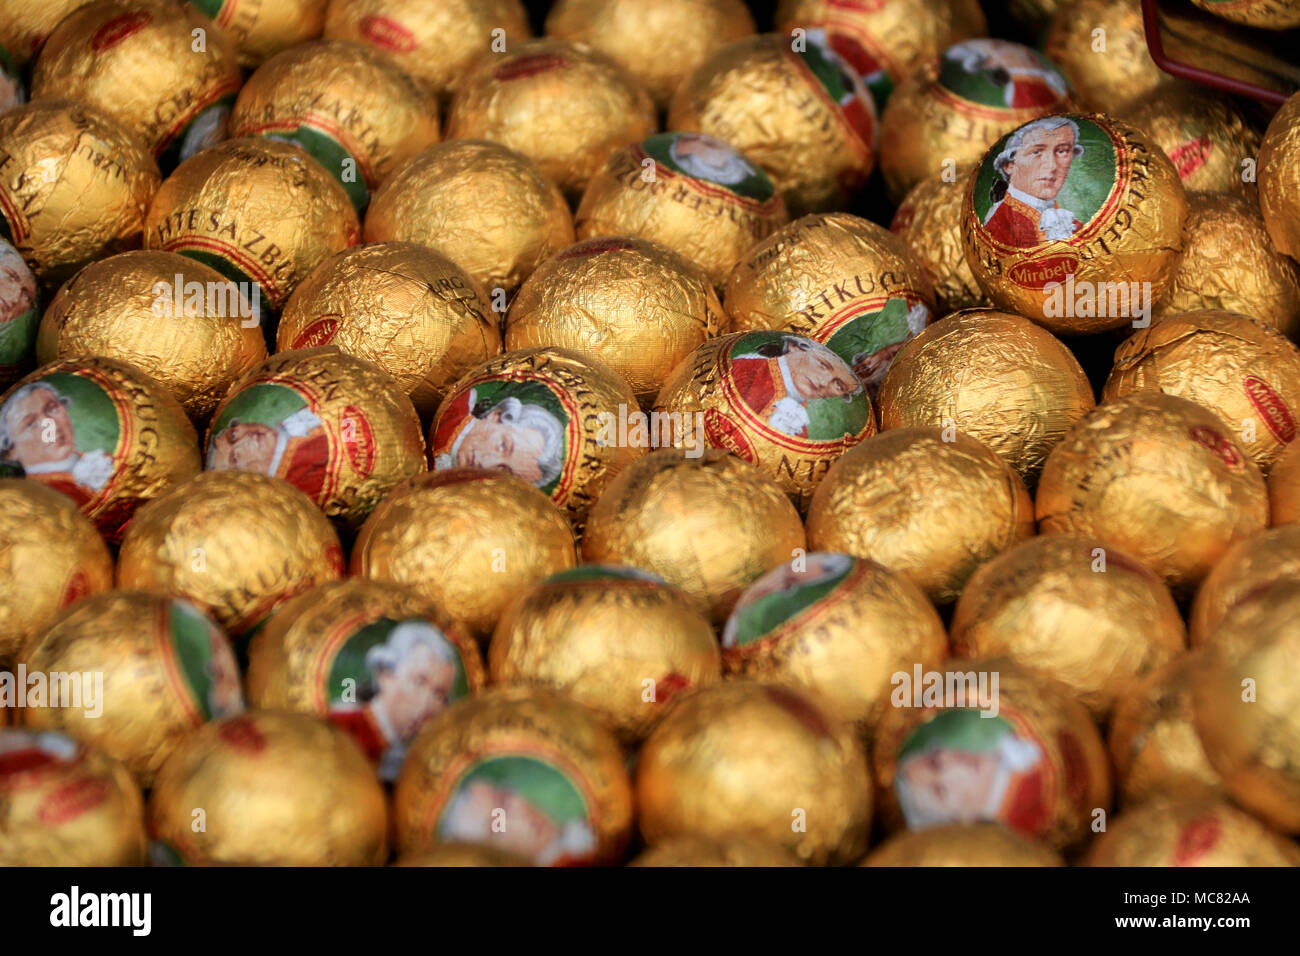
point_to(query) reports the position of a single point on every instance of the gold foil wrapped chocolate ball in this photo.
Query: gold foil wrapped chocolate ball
(839, 280)
(276, 789)
(1266, 14)
(803, 115)
(619, 640)
(972, 844)
(337, 428)
(100, 431)
(235, 543)
(161, 666)
(52, 557)
(701, 851)
(435, 41)
(259, 30)
(172, 317)
(838, 626)
(374, 658)
(566, 107)
(787, 404)
(930, 505)
(1248, 566)
(261, 212)
(548, 415)
(471, 539)
(65, 804)
(20, 313)
(1284, 488)
(929, 222)
(1112, 620)
(347, 105)
(1239, 367)
(74, 186)
(1279, 178)
(1190, 832)
(403, 306)
(487, 208)
(631, 304)
(744, 759)
(955, 107)
(24, 26)
(1159, 477)
(994, 376)
(1075, 221)
(546, 763)
(158, 67)
(709, 524)
(1123, 73)
(1250, 616)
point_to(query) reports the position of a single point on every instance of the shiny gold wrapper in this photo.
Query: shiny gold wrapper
(275, 789)
(347, 105)
(929, 222)
(461, 854)
(971, 844)
(1159, 477)
(1112, 620)
(566, 107)
(143, 62)
(1121, 72)
(929, 505)
(1153, 741)
(24, 26)
(487, 208)
(259, 29)
(62, 804)
(1279, 178)
(956, 106)
(74, 186)
(839, 280)
(619, 640)
(701, 851)
(259, 211)
(1266, 14)
(374, 658)
(995, 377)
(161, 666)
(52, 557)
(1284, 488)
(748, 760)
(403, 306)
(435, 41)
(170, 316)
(804, 116)
(631, 304)
(838, 626)
(1239, 367)
(548, 415)
(1229, 263)
(236, 543)
(100, 431)
(785, 403)
(1036, 763)
(336, 427)
(1097, 266)
(1190, 832)
(658, 44)
(520, 770)
(471, 539)
(711, 525)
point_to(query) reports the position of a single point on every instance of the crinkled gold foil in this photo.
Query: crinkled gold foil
(62, 804)
(631, 304)
(236, 543)
(743, 759)
(1159, 477)
(1242, 369)
(702, 851)
(471, 539)
(710, 525)
(459, 855)
(1120, 72)
(1284, 488)
(971, 844)
(927, 507)
(765, 99)
(539, 763)
(259, 29)
(1194, 831)
(170, 316)
(838, 626)
(1247, 567)
(158, 67)
(1266, 14)
(276, 789)
(74, 186)
(166, 669)
(52, 556)
(24, 26)
(1112, 621)
(403, 306)
(1279, 178)
(487, 208)
(929, 222)
(616, 639)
